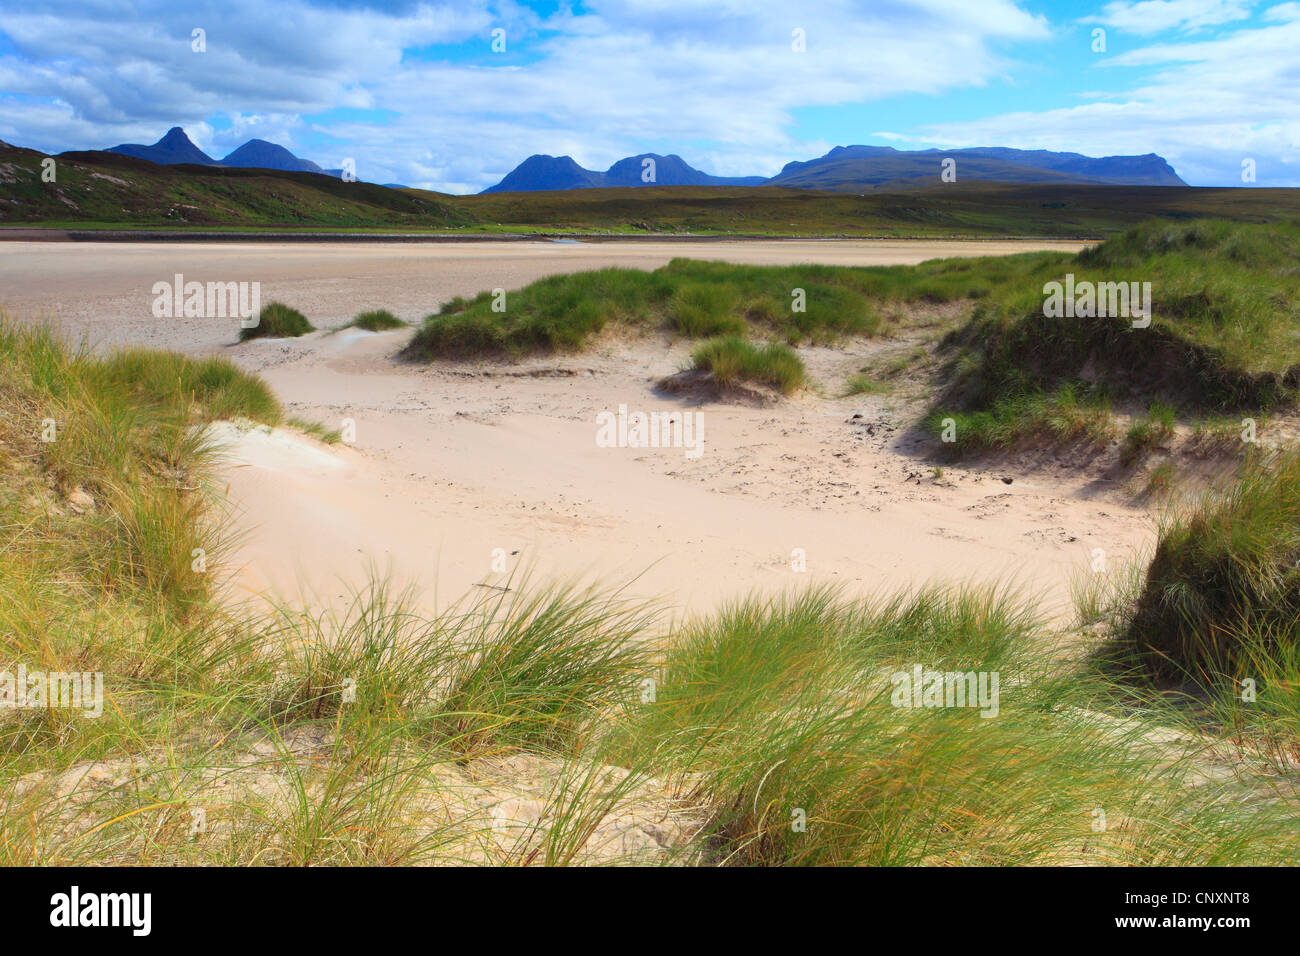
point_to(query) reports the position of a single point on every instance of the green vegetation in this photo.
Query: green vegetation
(1063, 416)
(1222, 337)
(112, 440)
(1212, 620)
(733, 360)
(107, 191)
(329, 436)
(1147, 433)
(1219, 435)
(104, 189)
(376, 320)
(780, 717)
(277, 320)
(1223, 589)
(771, 733)
(700, 299)
(862, 384)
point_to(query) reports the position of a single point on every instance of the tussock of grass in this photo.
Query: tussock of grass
(733, 360)
(1223, 588)
(1071, 413)
(216, 386)
(862, 384)
(1147, 433)
(376, 320)
(277, 321)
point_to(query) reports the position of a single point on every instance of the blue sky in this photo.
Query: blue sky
(414, 92)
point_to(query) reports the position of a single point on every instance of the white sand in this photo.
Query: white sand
(451, 462)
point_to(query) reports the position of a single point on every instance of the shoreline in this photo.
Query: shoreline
(46, 234)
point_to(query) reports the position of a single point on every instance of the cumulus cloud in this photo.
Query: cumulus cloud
(1155, 16)
(614, 78)
(412, 91)
(1211, 104)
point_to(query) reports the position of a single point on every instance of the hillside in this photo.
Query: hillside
(103, 189)
(856, 169)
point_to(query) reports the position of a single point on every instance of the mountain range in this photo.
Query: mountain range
(857, 169)
(175, 147)
(561, 172)
(843, 169)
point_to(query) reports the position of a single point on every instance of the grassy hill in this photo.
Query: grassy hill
(1222, 337)
(100, 188)
(106, 190)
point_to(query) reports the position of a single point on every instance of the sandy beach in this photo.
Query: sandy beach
(457, 467)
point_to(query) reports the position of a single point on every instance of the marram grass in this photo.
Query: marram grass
(766, 734)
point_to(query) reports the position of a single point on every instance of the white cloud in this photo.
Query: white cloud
(598, 84)
(1155, 16)
(718, 84)
(1214, 103)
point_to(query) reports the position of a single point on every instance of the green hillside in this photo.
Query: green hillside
(105, 190)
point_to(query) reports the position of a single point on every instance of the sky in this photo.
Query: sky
(453, 95)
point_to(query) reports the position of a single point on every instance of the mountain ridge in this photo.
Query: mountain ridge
(542, 172)
(854, 168)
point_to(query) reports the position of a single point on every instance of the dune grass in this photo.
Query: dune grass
(1223, 588)
(1147, 434)
(697, 299)
(370, 734)
(780, 717)
(1221, 338)
(733, 360)
(376, 320)
(795, 304)
(863, 384)
(1069, 414)
(1211, 620)
(277, 320)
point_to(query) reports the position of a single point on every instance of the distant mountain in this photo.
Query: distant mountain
(259, 154)
(1145, 170)
(669, 170)
(561, 172)
(843, 169)
(859, 168)
(172, 149)
(546, 172)
(176, 148)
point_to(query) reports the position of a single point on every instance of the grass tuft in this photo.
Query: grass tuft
(277, 320)
(733, 360)
(376, 320)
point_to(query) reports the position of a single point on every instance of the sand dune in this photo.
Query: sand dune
(453, 462)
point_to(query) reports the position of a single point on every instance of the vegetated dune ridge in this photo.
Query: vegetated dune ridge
(451, 462)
